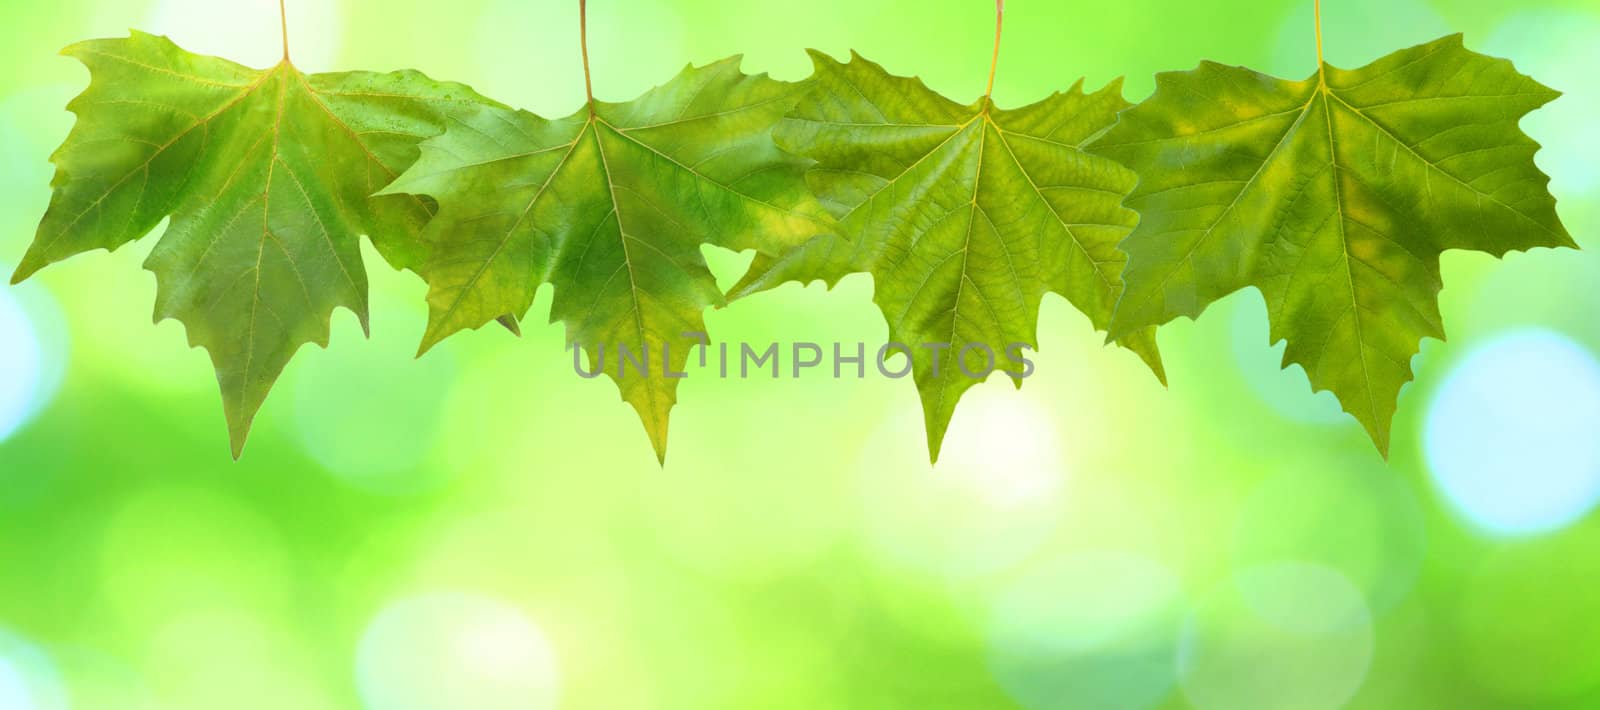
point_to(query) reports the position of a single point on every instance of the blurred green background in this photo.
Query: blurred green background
(483, 529)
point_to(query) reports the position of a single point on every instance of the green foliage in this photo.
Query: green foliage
(964, 215)
(612, 205)
(266, 176)
(1334, 196)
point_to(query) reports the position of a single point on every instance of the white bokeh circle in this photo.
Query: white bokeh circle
(1510, 435)
(29, 680)
(455, 650)
(994, 497)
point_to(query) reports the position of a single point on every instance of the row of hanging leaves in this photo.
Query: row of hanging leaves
(1334, 196)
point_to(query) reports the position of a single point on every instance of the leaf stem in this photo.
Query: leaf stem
(283, 24)
(583, 43)
(1317, 14)
(994, 60)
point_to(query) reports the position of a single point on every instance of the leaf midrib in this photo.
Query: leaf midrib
(1344, 247)
(966, 256)
(627, 264)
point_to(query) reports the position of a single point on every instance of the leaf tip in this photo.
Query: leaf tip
(237, 434)
(509, 322)
(32, 262)
(436, 333)
(1383, 447)
(1379, 430)
(429, 339)
(936, 434)
(658, 443)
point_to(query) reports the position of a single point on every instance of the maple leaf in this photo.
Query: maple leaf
(965, 215)
(266, 176)
(611, 205)
(1335, 197)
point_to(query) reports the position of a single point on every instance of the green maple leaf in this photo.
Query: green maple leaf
(266, 176)
(612, 205)
(1335, 197)
(965, 215)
